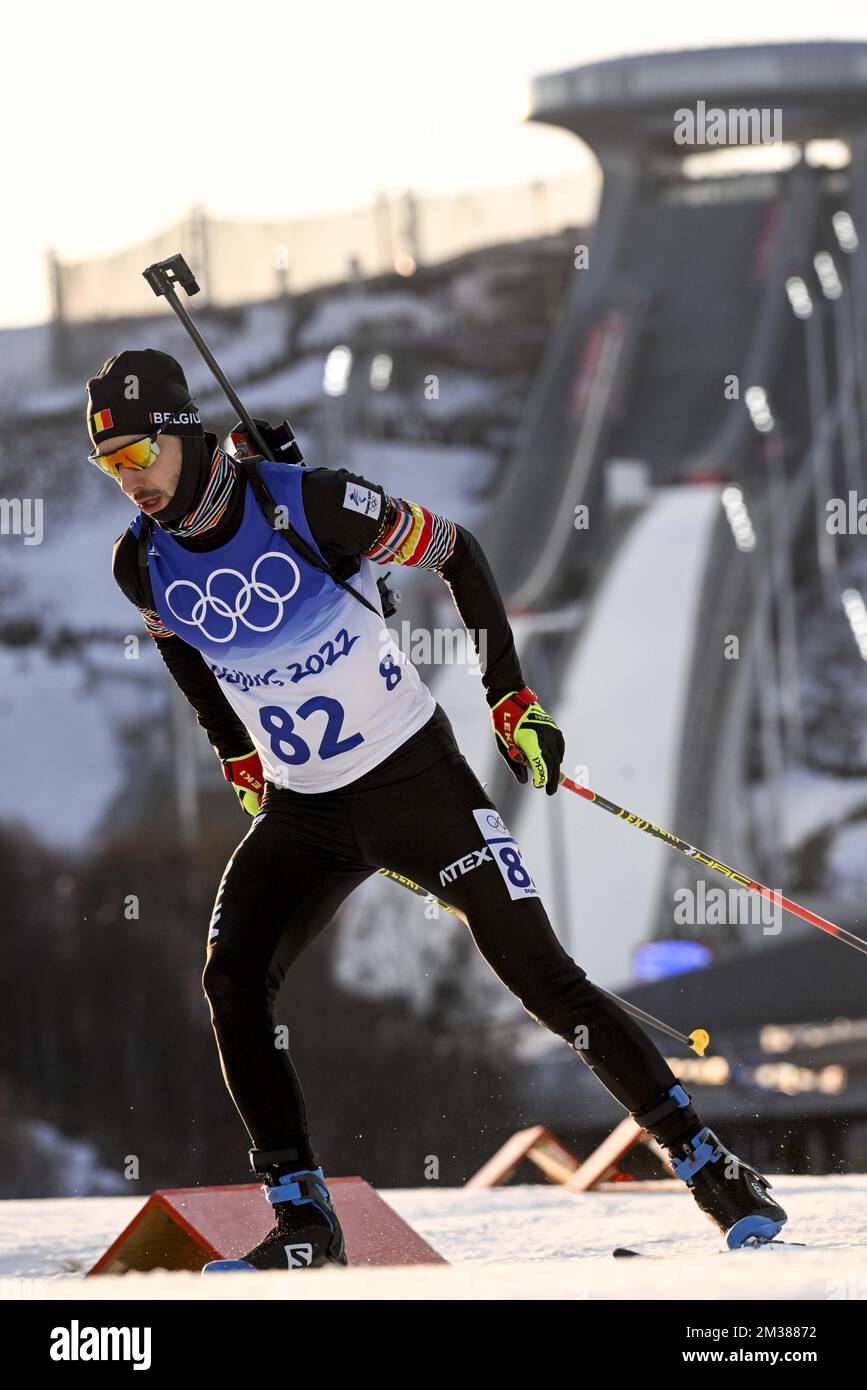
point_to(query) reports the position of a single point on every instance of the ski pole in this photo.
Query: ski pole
(698, 1040)
(848, 938)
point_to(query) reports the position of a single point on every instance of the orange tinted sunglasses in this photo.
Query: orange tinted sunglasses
(139, 453)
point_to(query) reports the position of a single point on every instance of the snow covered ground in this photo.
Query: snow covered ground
(518, 1242)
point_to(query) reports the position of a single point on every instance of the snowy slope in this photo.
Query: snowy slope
(622, 706)
(250, 346)
(58, 715)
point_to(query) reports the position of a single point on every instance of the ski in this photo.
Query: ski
(624, 1252)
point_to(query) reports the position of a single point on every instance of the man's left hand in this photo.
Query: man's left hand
(528, 738)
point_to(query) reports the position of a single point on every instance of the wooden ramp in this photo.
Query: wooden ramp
(185, 1227)
(560, 1165)
(538, 1145)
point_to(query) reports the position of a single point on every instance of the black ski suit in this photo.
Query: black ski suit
(413, 813)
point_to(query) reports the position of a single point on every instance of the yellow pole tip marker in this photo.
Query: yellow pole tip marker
(699, 1040)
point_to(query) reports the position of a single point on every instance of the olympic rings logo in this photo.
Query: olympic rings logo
(234, 613)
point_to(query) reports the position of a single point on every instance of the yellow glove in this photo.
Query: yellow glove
(246, 775)
(527, 736)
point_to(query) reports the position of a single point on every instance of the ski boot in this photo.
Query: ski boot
(307, 1234)
(730, 1193)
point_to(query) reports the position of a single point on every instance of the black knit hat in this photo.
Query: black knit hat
(135, 391)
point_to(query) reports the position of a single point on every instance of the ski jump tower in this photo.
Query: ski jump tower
(684, 290)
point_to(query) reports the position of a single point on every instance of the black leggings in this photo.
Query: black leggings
(414, 814)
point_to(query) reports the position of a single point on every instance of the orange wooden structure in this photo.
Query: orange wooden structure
(185, 1227)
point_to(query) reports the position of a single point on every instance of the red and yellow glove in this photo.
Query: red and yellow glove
(246, 775)
(527, 737)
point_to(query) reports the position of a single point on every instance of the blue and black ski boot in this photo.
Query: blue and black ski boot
(729, 1192)
(307, 1234)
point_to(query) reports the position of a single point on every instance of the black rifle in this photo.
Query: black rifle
(164, 277)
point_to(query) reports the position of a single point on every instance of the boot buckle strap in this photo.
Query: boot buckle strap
(704, 1151)
(299, 1187)
(676, 1099)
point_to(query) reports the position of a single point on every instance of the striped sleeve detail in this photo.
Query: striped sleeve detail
(411, 535)
(154, 623)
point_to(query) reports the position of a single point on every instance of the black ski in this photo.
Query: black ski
(623, 1252)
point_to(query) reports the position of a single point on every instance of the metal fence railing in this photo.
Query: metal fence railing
(241, 262)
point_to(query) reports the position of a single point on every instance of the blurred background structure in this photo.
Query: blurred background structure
(643, 412)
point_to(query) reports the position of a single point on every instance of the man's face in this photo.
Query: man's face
(152, 488)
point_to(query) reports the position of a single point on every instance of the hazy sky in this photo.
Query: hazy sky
(117, 117)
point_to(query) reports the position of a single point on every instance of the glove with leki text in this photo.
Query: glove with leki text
(529, 739)
(246, 775)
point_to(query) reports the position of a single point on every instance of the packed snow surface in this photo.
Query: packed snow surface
(517, 1242)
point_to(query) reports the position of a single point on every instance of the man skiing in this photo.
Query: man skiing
(257, 584)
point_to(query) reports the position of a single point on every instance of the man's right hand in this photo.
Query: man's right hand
(246, 775)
